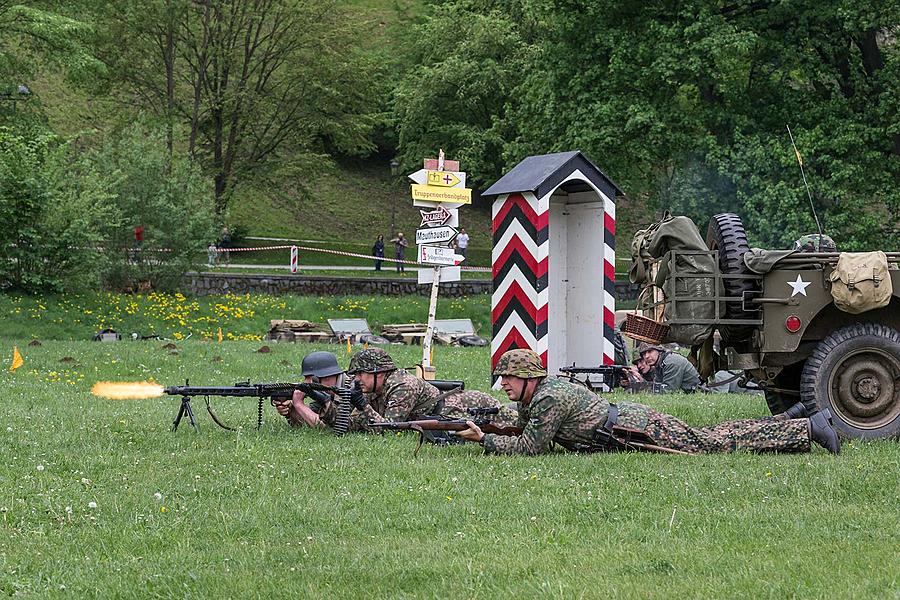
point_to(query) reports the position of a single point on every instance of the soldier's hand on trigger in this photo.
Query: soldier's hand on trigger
(472, 434)
(283, 407)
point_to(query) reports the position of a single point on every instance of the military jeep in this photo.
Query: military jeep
(784, 331)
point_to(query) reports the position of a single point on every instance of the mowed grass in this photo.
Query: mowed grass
(99, 498)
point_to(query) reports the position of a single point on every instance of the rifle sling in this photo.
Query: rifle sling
(215, 418)
(438, 407)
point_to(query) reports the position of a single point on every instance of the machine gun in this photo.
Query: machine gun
(276, 392)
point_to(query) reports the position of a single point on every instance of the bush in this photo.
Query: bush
(55, 213)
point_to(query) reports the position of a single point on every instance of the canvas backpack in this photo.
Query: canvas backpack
(861, 281)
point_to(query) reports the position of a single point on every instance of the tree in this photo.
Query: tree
(166, 196)
(259, 86)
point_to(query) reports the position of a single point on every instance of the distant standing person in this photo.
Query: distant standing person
(212, 255)
(462, 242)
(400, 246)
(226, 245)
(378, 251)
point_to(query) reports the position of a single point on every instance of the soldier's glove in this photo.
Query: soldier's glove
(357, 398)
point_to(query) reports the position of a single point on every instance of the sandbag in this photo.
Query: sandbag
(860, 282)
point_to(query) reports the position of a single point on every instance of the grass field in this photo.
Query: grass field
(99, 499)
(240, 316)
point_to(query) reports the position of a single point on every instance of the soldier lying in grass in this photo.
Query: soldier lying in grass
(383, 392)
(560, 412)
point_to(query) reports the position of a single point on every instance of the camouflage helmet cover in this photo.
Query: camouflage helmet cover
(810, 243)
(320, 364)
(643, 348)
(520, 363)
(371, 360)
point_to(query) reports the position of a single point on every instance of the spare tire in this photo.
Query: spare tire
(727, 235)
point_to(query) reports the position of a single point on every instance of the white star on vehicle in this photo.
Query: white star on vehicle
(799, 286)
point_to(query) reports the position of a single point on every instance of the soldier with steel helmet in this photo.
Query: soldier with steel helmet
(555, 411)
(318, 367)
(384, 392)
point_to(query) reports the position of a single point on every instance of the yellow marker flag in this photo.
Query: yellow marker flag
(219, 335)
(365, 345)
(799, 160)
(17, 360)
(349, 348)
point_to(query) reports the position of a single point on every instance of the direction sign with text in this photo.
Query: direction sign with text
(435, 235)
(455, 179)
(439, 255)
(434, 218)
(441, 194)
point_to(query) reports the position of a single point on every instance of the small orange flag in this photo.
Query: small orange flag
(349, 348)
(17, 360)
(219, 335)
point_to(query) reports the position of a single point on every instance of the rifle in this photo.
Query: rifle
(440, 423)
(276, 392)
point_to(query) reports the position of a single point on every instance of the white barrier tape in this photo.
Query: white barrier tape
(351, 254)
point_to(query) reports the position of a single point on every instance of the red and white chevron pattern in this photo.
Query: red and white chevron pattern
(519, 263)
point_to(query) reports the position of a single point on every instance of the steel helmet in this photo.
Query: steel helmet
(520, 363)
(320, 364)
(371, 360)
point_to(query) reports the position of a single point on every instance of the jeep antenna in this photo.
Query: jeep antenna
(808, 194)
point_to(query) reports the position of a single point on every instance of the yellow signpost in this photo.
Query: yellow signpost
(442, 178)
(442, 194)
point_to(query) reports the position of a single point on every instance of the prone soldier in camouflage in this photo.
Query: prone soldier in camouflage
(387, 393)
(563, 413)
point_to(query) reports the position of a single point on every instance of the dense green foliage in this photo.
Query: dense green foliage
(55, 212)
(292, 109)
(99, 498)
(686, 105)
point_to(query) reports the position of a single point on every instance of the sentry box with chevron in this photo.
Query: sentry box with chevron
(553, 260)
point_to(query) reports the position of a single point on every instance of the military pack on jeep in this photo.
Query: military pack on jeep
(808, 324)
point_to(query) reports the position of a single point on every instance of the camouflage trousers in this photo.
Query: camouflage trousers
(753, 435)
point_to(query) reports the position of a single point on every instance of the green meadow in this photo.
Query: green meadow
(100, 499)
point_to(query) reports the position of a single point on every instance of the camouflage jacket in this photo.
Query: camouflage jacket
(404, 397)
(676, 373)
(560, 412)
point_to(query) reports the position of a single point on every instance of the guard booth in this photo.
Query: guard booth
(553, 261)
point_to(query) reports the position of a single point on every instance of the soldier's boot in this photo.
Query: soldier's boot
(822, 432)
(797, 411)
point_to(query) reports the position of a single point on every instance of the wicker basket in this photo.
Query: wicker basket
(643, 328)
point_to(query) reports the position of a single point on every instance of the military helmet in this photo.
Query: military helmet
(371, 360)
(520, 363)
(810, 243)
(643, 348)
(320, 364)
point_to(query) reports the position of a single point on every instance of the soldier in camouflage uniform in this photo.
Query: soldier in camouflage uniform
(559, 412)
(385, 393)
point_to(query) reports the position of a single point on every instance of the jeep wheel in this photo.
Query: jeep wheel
(855, 372)
(727, 235)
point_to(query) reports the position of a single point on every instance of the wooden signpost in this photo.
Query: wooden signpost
(440, 187)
